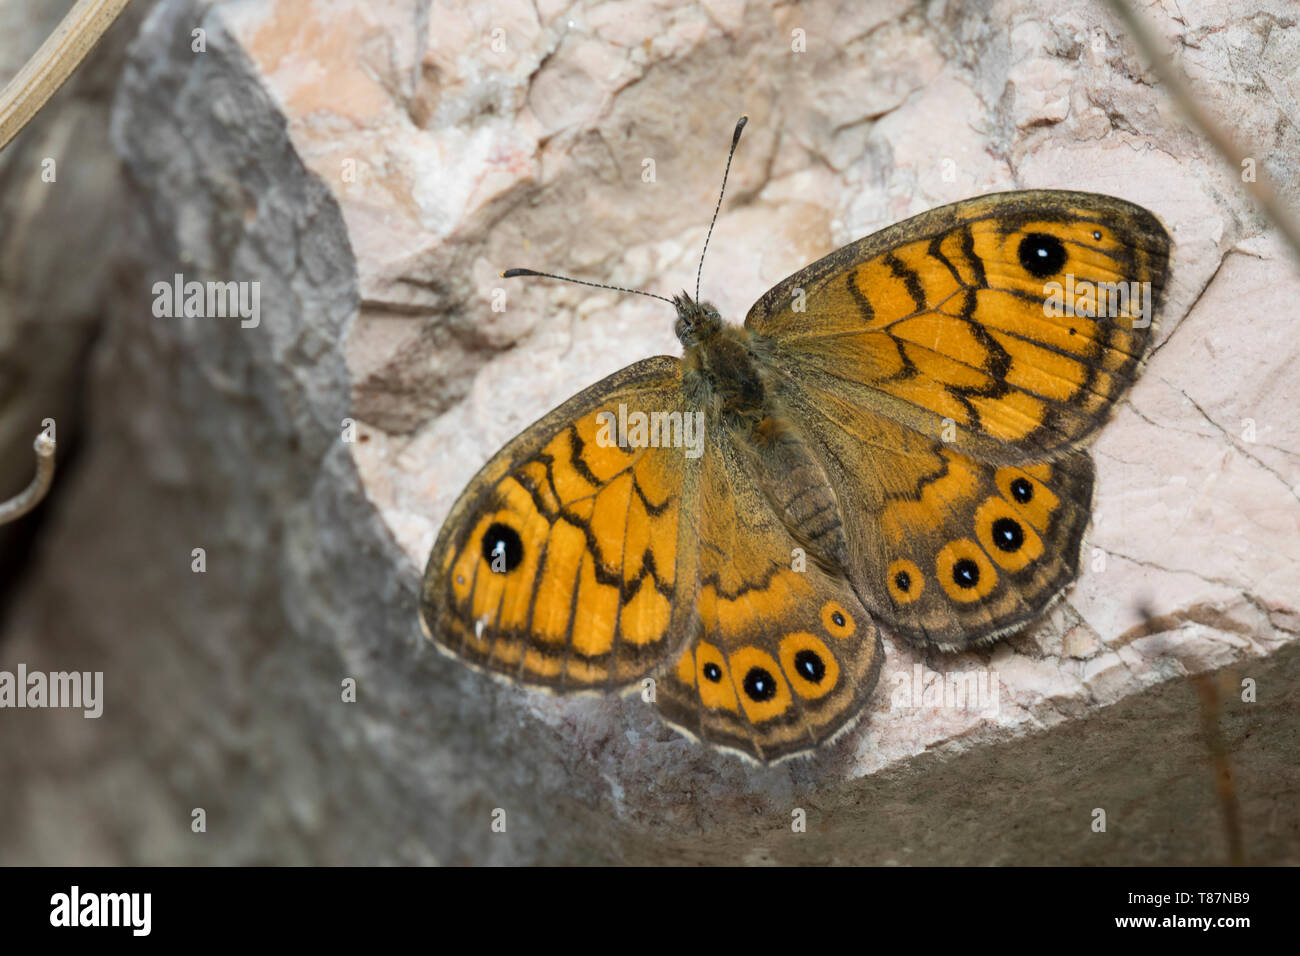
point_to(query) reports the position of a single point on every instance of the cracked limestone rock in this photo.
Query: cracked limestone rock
(374, 167)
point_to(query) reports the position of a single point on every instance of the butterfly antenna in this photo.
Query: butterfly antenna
(512, 273)
(735, 139)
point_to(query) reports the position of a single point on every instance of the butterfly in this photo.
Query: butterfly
(895, 438)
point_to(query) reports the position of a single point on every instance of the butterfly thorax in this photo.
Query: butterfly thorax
(724, 373)
(720, 371)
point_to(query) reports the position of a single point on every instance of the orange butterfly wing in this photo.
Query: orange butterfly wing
(565, 563)
(783, 656)
(934, 363)
(948, 318)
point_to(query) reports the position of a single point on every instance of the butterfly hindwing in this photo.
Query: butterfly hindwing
(564, 564)
(946, 550)
(783, 655)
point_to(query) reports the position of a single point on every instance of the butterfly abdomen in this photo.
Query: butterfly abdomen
(798, 489)
(725, 373)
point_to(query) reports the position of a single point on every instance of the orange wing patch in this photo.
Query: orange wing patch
(559, 565)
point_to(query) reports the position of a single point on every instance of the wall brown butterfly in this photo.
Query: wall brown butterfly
(893, 439)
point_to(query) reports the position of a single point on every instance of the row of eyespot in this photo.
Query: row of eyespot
(906, 581)
(805, 659)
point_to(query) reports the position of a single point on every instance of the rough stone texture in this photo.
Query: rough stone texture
(374, 166)
(60, 198)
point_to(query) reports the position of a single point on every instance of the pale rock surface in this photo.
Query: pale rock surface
(374, 166)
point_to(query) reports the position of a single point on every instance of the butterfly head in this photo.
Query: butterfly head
(696, 321)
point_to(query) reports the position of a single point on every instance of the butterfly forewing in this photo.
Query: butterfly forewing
(972, 323)
(566, 563)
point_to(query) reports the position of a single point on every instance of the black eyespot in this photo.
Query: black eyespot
(1022, 490)
(759, 685)
(504, 541)
(810, 667)
(903, 581)
(839, 619)
(1041, 255)
(966, 573)
(1096, 234)
(712, 672)
(1008, 535)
